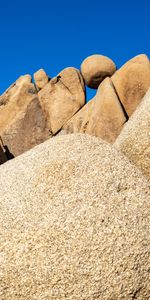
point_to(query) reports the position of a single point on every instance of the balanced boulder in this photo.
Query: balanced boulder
(95, 68)
(74, 223)
(40, 78)
(132, 81)
(134, 140)
(62, 97)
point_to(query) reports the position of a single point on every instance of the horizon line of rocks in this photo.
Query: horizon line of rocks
(30, 113)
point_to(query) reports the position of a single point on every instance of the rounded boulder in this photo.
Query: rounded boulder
(95, 68)
(74, 223)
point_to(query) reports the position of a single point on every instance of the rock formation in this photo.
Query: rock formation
(96, 68)
(31, 113)
(22, 121)
(41, 79)
(74, 223)
(134, 140)
(79, 122)
(107, 117)
(74, 210)
(62, 97)
(132, 81)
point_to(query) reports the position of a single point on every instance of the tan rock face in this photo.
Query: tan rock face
(74, 223)
(79, 122)
(107, 117)
(103, 116)
(22, 122)
(27, 129)
(40, 78)
(95, 68)
(132, 82)
(62, 97)
(134, 140)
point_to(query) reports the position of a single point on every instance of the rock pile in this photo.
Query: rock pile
(31, 113)
(74, 223)
(75, 210)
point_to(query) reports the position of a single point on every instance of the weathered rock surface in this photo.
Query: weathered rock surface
(132, 81)
(134, 140)
(103, 116)
(107, 117)
(95, 68)
(22, 121)
(40, 78)
(79, 122)
(27, 129)
(62, 97)
(74, 223)
(17, 90)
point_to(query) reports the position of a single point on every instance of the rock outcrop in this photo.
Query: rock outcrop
(134, 140)
(107, 117)
(74, 223)
(32, 113)
(62, 97)
(40, 78)
(95, 68)
(27, 129)
(22, 121)
(103, 116)
(132, 81)
(79, 122)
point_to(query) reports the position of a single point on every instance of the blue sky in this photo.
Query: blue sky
(54, 34)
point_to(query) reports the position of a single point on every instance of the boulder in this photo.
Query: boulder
(74, 223)
(134, 140)
(107, 117)
(17, 90)
(132, 81)
(27, 129)
(22, 121)
(41, 79)
(95, 68)
(62, 97)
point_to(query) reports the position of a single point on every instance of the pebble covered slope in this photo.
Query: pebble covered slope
(73, 223)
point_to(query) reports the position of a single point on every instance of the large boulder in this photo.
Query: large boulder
(62, 97)
(134, 140)
(19, 89)
(95, 68)
(132, 81)
(41, 79)
(103, 116)
(22, 121)
(27, 129)
(74, 223)
(107, 117)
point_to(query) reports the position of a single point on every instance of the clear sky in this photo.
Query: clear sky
(54, 34)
